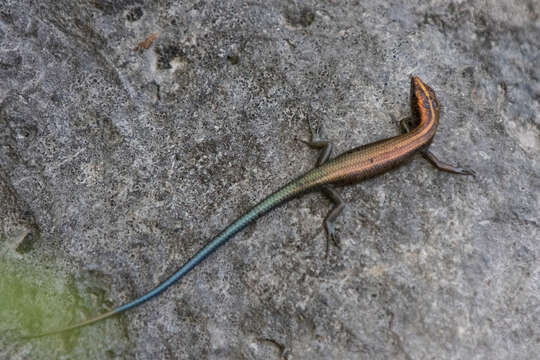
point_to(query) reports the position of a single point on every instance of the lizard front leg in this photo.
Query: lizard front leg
(406, 124)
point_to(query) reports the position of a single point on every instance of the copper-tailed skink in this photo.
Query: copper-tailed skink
(350, 167)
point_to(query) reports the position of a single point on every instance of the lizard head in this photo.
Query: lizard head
(424, 103)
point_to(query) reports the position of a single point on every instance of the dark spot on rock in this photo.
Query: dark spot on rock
(295, 17)
(27, 244)
(104, 5)
(233, 59)
(468, 72)
(162, 195)
(134, 14)
(166, 54)
(10, 59)
(6, 17)
(56, 98)
(25, 133)
(111, 7)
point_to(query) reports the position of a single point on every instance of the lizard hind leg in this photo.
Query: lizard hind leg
(325, 148)
(329, 221)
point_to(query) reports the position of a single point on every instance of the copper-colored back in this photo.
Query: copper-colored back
(372, 159)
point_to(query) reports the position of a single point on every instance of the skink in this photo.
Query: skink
(350, 167)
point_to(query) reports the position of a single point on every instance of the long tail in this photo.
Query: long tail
(287, 192)
(76, 326)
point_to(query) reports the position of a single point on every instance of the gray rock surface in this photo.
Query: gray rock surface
(116, 165)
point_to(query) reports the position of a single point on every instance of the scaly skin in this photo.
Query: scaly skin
(350, 167)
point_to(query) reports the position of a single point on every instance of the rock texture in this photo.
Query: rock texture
(133, 132)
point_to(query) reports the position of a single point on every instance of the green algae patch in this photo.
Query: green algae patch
(37, 299)
(31, 298)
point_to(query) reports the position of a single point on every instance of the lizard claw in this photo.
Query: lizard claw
(331, 232)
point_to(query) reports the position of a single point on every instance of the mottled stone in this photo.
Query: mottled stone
(116, 165)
